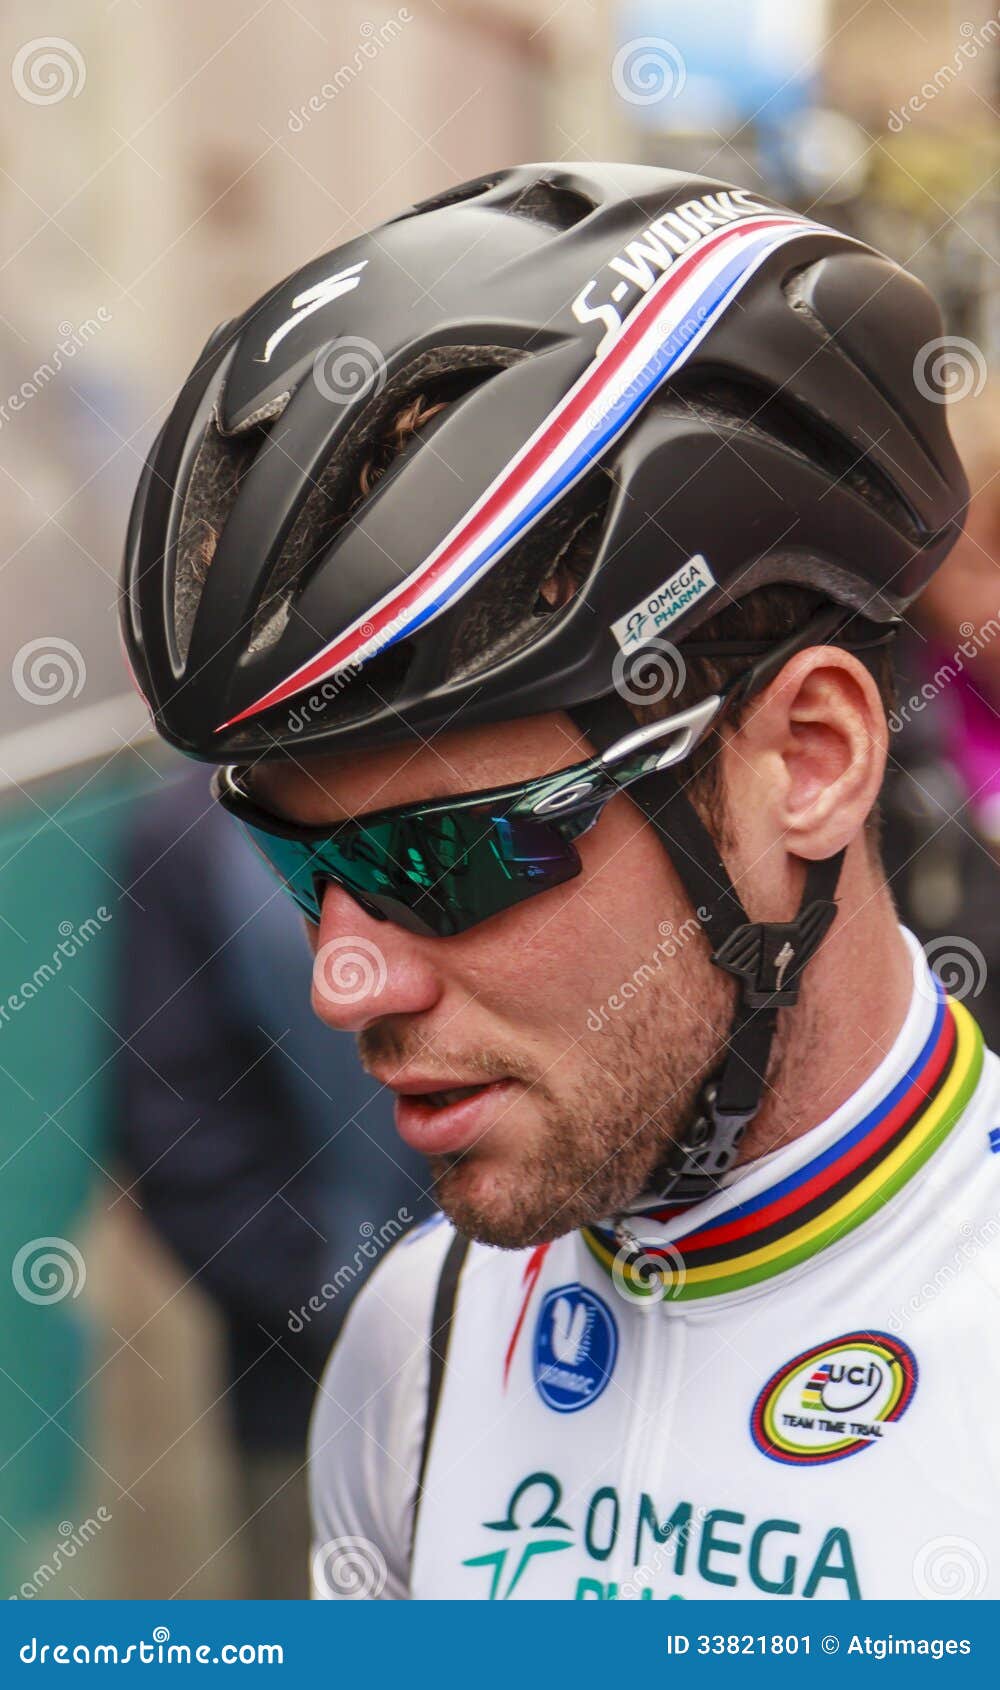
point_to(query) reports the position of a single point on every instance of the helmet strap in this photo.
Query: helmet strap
(766, 958)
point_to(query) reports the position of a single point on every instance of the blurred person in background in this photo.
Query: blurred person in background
(961, 613)
(942, 799)
(260, 1150)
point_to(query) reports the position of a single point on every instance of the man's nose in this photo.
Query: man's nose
(364, 968)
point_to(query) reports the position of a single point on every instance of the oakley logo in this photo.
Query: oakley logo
(554, 801)
(304, 304)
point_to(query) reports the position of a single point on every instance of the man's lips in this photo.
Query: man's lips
(416, 1085)
(429, 1119)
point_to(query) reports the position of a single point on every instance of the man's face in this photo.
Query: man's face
(584, 1018)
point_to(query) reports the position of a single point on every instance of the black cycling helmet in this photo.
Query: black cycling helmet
(707, 391)
(662, 390)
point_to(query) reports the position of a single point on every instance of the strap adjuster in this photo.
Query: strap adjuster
(767, 957)
(708, 1150)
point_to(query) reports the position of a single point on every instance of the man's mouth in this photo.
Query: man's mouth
(441, 1099)
(445, 1120)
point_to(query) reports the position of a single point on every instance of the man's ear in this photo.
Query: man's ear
(810, 753)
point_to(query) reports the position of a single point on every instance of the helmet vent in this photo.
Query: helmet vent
(365, 454)
(559, 207)
(451, 196)
(219, 467)
(744, 408)
(537, 579)
(541, 201)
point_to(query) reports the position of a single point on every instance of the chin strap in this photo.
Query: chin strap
(765, 957)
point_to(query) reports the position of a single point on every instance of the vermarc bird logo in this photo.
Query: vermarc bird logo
(304, 304)
(574, 1349)
(569, 1331)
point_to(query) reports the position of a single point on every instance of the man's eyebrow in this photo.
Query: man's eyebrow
(281, 812)
(266, 801)
(450, 795)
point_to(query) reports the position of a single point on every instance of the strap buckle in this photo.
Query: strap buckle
(696, 1163)
(767, 957)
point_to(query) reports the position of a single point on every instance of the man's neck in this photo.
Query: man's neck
(855, 997)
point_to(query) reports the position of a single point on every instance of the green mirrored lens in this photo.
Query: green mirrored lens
(294, 863)
(436, 873)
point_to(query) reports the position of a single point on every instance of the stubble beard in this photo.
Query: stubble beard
(600, 1145)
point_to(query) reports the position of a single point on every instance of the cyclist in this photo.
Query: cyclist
(531, 566)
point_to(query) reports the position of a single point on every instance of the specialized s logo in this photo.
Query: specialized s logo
(834, 1400)
(576, 1342)
(313, 299)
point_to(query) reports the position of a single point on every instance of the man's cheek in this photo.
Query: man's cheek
(561, 975)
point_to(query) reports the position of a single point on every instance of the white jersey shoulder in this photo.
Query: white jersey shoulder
(367, 1427)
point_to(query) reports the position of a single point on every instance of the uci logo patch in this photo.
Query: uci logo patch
(576, 1342)
(834, 1400)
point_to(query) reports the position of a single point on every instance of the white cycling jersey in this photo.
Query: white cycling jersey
(807, 1406)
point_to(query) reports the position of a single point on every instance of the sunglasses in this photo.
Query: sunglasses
(441, 867)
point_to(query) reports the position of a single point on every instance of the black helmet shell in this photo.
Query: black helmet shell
(715, 392)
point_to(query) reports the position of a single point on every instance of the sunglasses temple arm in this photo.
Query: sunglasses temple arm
(638, 753)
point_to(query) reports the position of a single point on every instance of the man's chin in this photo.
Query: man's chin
(493, 1205)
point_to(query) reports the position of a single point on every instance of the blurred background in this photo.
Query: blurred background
(173, 1265)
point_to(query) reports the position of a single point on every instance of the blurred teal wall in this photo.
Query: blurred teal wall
(60, 897)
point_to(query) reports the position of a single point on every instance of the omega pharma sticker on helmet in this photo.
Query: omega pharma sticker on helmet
(670, 600)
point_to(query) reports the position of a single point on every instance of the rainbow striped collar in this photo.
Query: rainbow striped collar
(733, 1244)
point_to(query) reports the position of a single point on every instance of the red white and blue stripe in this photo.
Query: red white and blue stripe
(655, 340)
